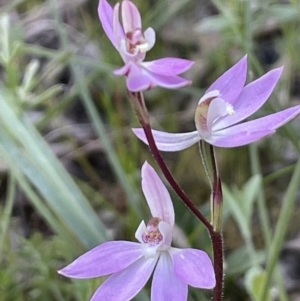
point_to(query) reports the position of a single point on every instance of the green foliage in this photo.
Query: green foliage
(254, 281)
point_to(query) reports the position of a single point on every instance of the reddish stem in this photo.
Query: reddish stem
(160, 161)
(216, 237)
(217, 243)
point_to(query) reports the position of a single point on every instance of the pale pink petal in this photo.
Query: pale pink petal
(157, 195)
(123, 70)
(193, 267)
(108, 258)
(118, 30)
(167, 81)
(139, 78)
(105, 12)
(168, 66)
(251, 99)
(138, 83)
(136, 79)
(131, 17)
(123, 286)
(231, 83)
(169, 142)
(239, 139)
(150, 37)
(253, 130)
(166, 286)
(270, 122)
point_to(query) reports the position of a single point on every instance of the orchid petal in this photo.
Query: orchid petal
(251, 99)
(123, 70)
(168, 66)
(157, 195)
(270, 122)
(193, 267)
(108, 258)
(231, 83)
(166, 285)
(239, 139)
(169, 142)
(131, 17)
(139, 79)
(139, 82)
(253, 130)
(167, 81)
(123, 286)
(105, 12)
(150, 37)
(136, 79)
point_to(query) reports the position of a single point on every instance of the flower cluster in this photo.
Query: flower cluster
(131, 264)
(132, 44)
(218, 116)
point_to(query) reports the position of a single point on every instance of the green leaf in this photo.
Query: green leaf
(216, 23)
(255, 279)
(36, 160)
(240, 261)
(238, 214)
(249, 194)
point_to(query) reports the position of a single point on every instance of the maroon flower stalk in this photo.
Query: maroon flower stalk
(137, 101)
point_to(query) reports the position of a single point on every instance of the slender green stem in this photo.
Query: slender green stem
(7, 211)
(261, 202)
(264, 218)
(278, 173)
(216, 236)
(203, 155)
(281, 227)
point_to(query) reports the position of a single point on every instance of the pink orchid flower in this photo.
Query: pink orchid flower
(227, 102)
(131, 264)
(132, 44)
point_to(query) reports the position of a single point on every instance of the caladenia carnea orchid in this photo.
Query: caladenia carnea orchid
(227, 102)
(132, 44)
(131, 264)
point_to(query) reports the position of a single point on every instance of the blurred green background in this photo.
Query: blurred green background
(70, 165)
